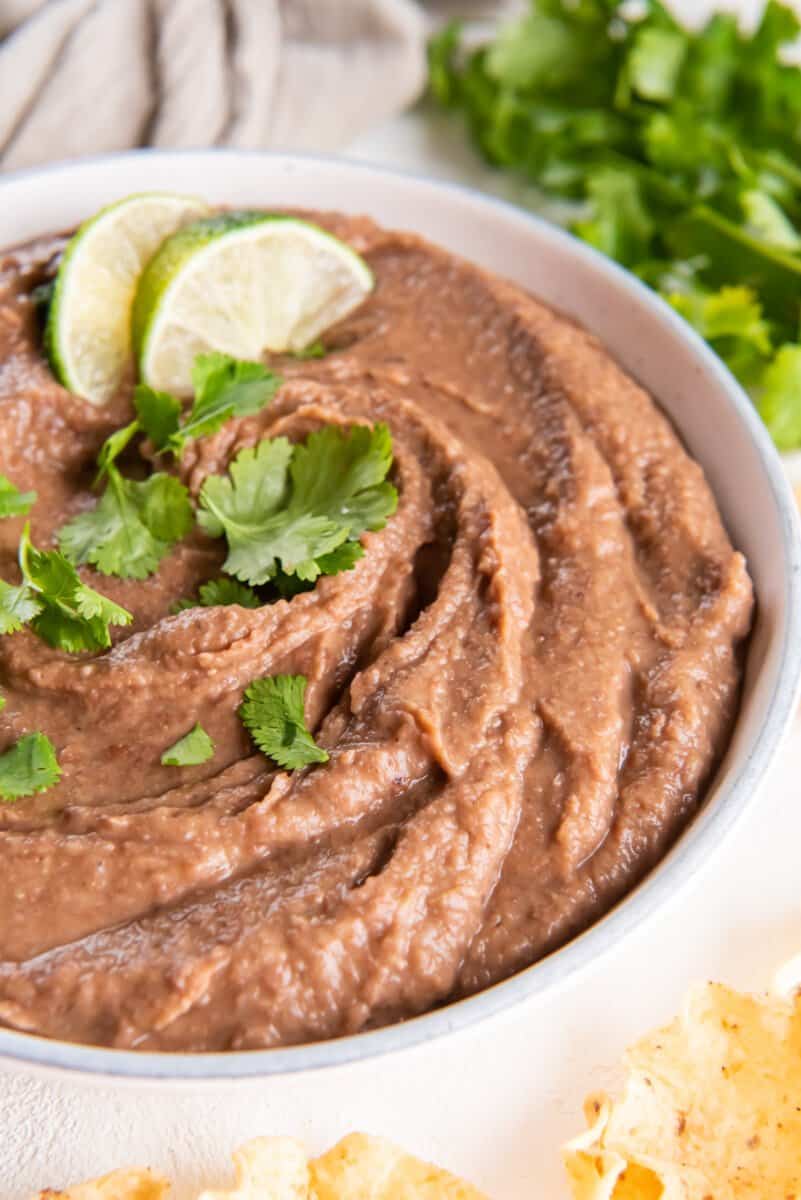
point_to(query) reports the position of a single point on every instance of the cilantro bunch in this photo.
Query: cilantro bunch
(676, 152)
(59, 607)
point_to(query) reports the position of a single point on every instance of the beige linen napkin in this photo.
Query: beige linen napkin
(88, 76)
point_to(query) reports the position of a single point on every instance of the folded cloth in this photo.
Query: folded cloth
(84, 77)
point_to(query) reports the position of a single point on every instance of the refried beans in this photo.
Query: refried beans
(524, 686)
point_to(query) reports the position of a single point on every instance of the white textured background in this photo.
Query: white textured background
(493, 1103)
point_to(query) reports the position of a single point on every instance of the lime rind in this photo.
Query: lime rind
(87, 335)
(245, 284)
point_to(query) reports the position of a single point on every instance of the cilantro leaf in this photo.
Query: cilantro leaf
(224, 387)
(131, 528)
(244, 503)
(620, 224)
(227, 387)
(286, 508)
(731, 312)
(191, 750)
(732, 321)
(273, 714)
(765, 219)
(228, 591)
(222, 591)
(71, 616)
(313, 350)
(18, 606)
(28, 767)
(546, 52)
(655, 61)
(13, 502)
(442, 73)
(779, 397)
(342, 559)
(344, 474)
(159, 414)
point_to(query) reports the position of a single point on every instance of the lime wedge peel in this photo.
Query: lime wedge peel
(87, 337)
(245, 284)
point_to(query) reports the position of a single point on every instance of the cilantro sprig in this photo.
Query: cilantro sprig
(273, 713)
(294, 512)
(28, 767)
(674, 152)
(223, 387)
(13, 502)
(55, 602)
(134, 524)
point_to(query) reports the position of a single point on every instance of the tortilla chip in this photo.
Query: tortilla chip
(135, 1184)
(357, 1168)
(268, 1168)
(787, 980)
(711, 1109)
(370, 1168)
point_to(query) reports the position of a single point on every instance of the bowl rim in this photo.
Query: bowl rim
(707, 832)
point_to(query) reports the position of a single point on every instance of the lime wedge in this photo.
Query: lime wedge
(88, 336)
(244, 284)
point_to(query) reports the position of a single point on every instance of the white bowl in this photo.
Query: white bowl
(715, 418)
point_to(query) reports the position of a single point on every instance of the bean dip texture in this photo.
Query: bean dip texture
(524, 686)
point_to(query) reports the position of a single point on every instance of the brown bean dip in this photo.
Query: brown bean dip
(524, 687)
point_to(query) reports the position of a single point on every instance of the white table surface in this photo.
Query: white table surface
(493, 1103)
